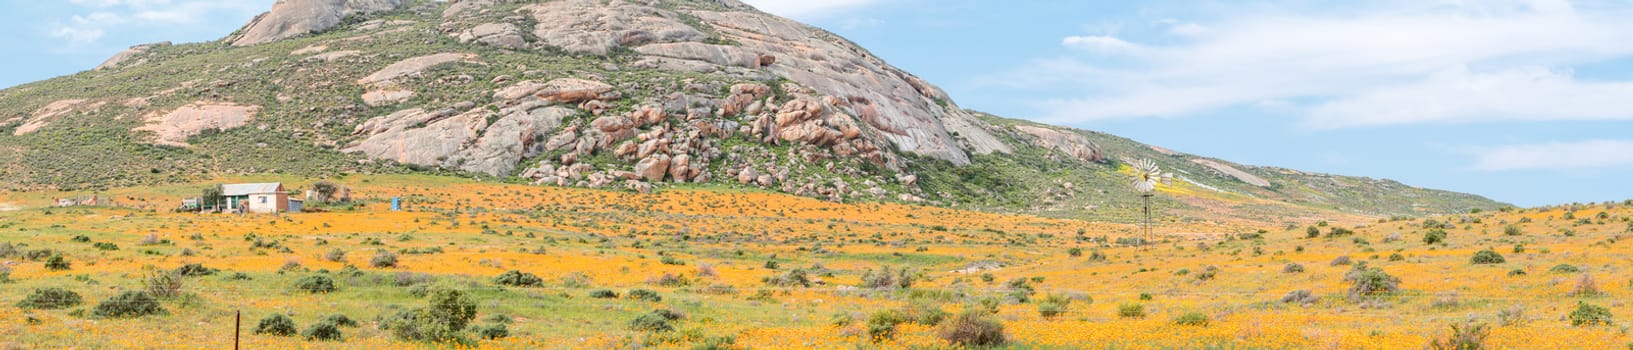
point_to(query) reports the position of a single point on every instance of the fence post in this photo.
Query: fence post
(236, 326)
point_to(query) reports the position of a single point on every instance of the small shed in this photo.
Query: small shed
(264, 198)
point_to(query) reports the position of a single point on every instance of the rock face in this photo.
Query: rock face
(1065, 141)
(504, 35)
(413, 66)
(133, 52)
(1229, 171)
(461, 140)
(386, 97)
(175, 127)
(290, 18)
(54, 110)
(906, 110)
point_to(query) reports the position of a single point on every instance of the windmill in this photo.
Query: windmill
(1146, 177)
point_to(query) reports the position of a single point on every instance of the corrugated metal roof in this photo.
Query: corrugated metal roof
(248, 189)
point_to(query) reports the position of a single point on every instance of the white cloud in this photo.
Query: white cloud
(1584, 155)
(118, 15)
(1405, 64)
(807, 8)
(1100, 44)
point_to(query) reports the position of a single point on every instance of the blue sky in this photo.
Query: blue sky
(1528, 102)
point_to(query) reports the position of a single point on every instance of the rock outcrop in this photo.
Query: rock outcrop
(413, 66)
(503, 35)
(51, 111)
(1070, 142)
(175, 127)
(1232, 172)
(460, 140)
(290, 18)
(127, 56)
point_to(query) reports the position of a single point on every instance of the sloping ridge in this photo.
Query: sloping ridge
(592, 93)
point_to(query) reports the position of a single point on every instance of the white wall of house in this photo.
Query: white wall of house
(263, 203)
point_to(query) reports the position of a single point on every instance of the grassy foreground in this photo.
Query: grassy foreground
(762, 270)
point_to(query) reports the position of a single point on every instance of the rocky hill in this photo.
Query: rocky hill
(636, 94)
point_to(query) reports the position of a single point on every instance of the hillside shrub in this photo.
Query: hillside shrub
(57, 263)
(1292, 268)
(1486, 257)
(195, 270)
(335, 255)
(655, 321)
(1341, 261)
(339, 320)
(1053, 305)
(1300, 297)
(276, 325)
(1131, 310)
(792, 278)
(130, 304)
(1511, 230)
(383, 259)
(1371, 282)
(444, 318)
(1193, 318)
(50, 298)
(603, 294)
(322, 331)
(886, 278)
(315, 284)
(1434, 236)
(973, 328)
(1589, 315)
(1564, 268)
(492, 331)
(162, 284)
(517, 278)
(643, 295)
(1468, 336)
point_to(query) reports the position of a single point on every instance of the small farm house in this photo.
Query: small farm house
(264, 198)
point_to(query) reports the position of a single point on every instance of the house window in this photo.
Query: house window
(263, 199)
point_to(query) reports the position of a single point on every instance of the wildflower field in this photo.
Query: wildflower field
(488, 265)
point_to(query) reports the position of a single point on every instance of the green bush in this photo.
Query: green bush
(882, 324)
(1192, 319)
(1590, 315)
(315, 284)
(973, 328)
(603, 294)
(1564, 268)
(447, 313)
(322, 331)
(492, 331)
(886, 278)
(57, 263)
(1434, 236)
(195, 270)
(1370, 282)
(383, 259)
(792, 278)
(1292, 268)
(1053, 305)
(655, 321)
(1511, 230)
(518, 279)
(1131, 310)
(643, 294)
(130, 304)
(1463, 337)
(50, 298)
(339, 320)
(276, 325)
(1487, 256)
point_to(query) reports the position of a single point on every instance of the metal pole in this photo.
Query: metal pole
(236, 326)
